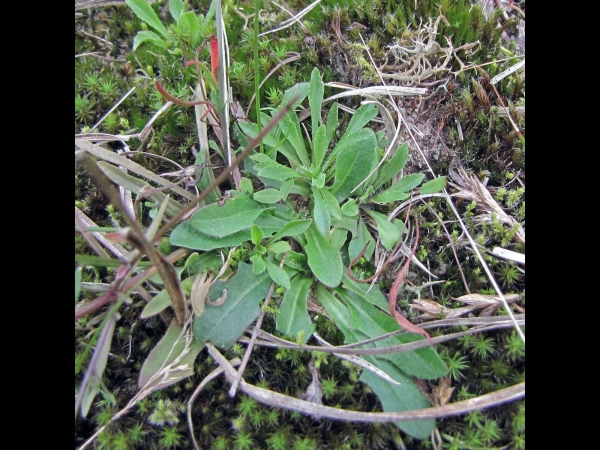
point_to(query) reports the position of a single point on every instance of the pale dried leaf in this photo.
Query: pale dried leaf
(433, 310)
(484, 300)
(442, 392)
(429, 308)
(200, 289)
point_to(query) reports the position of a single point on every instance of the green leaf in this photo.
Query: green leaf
(315, 101)
(407, 183)
(361, 117)
(291, 229)
(156, 305)
(355, 160)
(390, 196)
(388, 233)
(347, 224)
(279, 247)
(332, 121)
(267, 196)
(285, 188)
(298, 186)
(433, 186)
(321, 213)
(220, 221)
(205, 181)
(350, 208)
(405, 397)
(371, 294)
(338, 238)
(359, 241)
(188, 24)
(284, 212)
(246, 186)
(256, 234)
(148, 36)
(320, 144)
(324, 260)
(266, 167)
(319, 181)
(77, 283)
(298, 91)
(291, 128)
(157, 220)
(293, 314)
(373, 322)
(297, 261)
(398, 191)
(392, 167)
(166, 351)
(175, 8)
(186, 235)
(251, 129)
(278, 275)
(197, 263)
(144, 11)
(258, 264)
(97, 261)
(331, 203)
(338, 312)
(224, 324)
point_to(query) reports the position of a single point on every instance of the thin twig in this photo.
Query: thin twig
(295, 19)
(350, 349)
(278, 400)
(113, 108)
(131, 283)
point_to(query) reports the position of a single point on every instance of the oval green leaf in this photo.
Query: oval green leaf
(267, 196)
(220, 221)
(324, 260)
(388, 232)
(278, 275)
(279, 247)
(293, 317)
(433, 186)
(144, 11)
(224, 324)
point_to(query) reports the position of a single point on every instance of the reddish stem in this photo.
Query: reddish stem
(214, 55)
(402, 321)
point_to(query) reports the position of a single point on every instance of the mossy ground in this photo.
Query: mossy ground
(461, 122)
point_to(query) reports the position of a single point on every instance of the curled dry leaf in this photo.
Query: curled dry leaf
(440, 394)
(437, 395)
(487, 303)
(486, 300)
(433, 310)
(200, 289)
(219, 301)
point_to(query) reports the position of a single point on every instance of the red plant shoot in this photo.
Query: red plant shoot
(214, 55)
